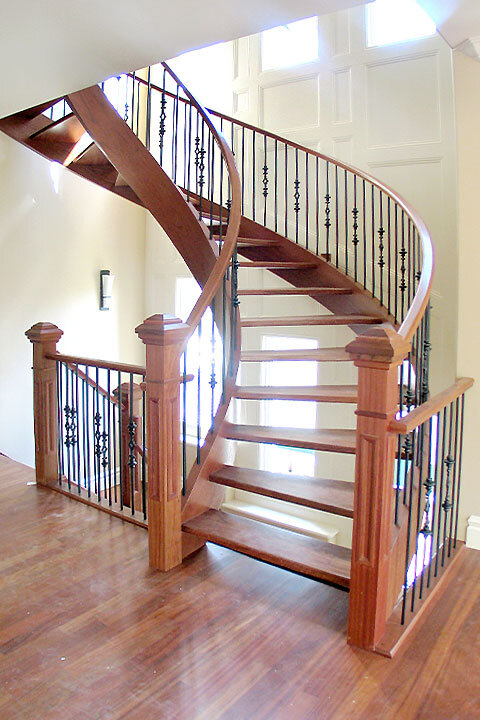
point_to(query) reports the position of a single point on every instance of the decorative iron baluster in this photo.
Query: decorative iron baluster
(200, 165)
(381, 248)
(355, 239)
(403, 254)
(100, 442)
(163, 117)
(328, 222)
(234, 306)
(427, 346)
(213, 379)
(265, 180)
(132, 460)
(70, 426)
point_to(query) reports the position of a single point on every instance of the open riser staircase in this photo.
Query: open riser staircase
(320, 248)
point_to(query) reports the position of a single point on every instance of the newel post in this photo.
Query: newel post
(164, 337)
(44, 337)
(377, 355)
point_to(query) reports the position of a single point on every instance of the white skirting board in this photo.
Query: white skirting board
(473, 532)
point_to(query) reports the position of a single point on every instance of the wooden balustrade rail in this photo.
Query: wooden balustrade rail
(424, 412)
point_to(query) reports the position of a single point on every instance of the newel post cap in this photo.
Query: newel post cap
(382, 344)
(162, 329)
(44, 332)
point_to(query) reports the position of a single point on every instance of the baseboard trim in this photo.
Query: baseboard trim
(473, 532)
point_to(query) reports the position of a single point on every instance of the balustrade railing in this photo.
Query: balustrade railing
(428, 477)
(102, 452)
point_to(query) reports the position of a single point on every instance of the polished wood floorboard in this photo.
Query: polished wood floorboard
(88, 632)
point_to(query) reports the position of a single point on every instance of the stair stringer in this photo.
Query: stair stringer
(147, 179)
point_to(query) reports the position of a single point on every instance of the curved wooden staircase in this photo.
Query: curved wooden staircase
(353, 247)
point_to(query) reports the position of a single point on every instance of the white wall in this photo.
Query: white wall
(52, 247)
(467, 87)
(387, 110)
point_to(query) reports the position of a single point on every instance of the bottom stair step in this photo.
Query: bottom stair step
(273, 545)
(333, 496)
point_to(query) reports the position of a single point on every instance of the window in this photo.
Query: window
(204, 355)
(288, 413)
(289, 45)
(393, 21)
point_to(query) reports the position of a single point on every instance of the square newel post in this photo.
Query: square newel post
(44, 337)
(377, 355)
(164, 337)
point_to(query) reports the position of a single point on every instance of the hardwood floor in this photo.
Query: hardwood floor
(88, 632)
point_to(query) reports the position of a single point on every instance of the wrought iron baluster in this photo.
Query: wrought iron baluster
(275, 187)
(381, 247)
(265, 180)
(409, 524)
(148, 116)
(336, 218)
(459, 469)
(144, 451)
(403, 254)
(132, 460)
(133, 102)
(345, 202)
(296, 195)
(199, 390)
(436, 498)
(328, 222)
(364, 216)
(355, 239)
(440, 495)
(317, 206)
(307, 208)
(286, 190)
(213, 379)
(254, 135)
(162, 120)
(120, 437)
(77, 444)
(449, 462)
(61, 471)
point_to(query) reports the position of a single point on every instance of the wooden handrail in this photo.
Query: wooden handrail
(103, 364)
(211, 286)
(83, 376)
(424, 412)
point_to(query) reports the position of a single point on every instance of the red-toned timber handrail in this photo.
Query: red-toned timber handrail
(417, 308)
(422, 413)
(213, 283)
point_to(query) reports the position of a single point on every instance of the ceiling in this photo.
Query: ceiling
(458, 21)
(53, 47)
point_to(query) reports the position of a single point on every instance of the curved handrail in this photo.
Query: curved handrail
(420, 300)
(229, 242)
(413, 317)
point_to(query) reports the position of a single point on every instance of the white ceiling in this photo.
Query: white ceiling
(458, 21)
(51, 47)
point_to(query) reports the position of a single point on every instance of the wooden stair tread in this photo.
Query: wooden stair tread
(250, 242)
(318, 393)
(287, 549)
(278, 265)
(310, 320)
(297, 291)
(103, 175)
(335, 354)
(57, 140)
(333, 496)
(329, 440)
(92, 155)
